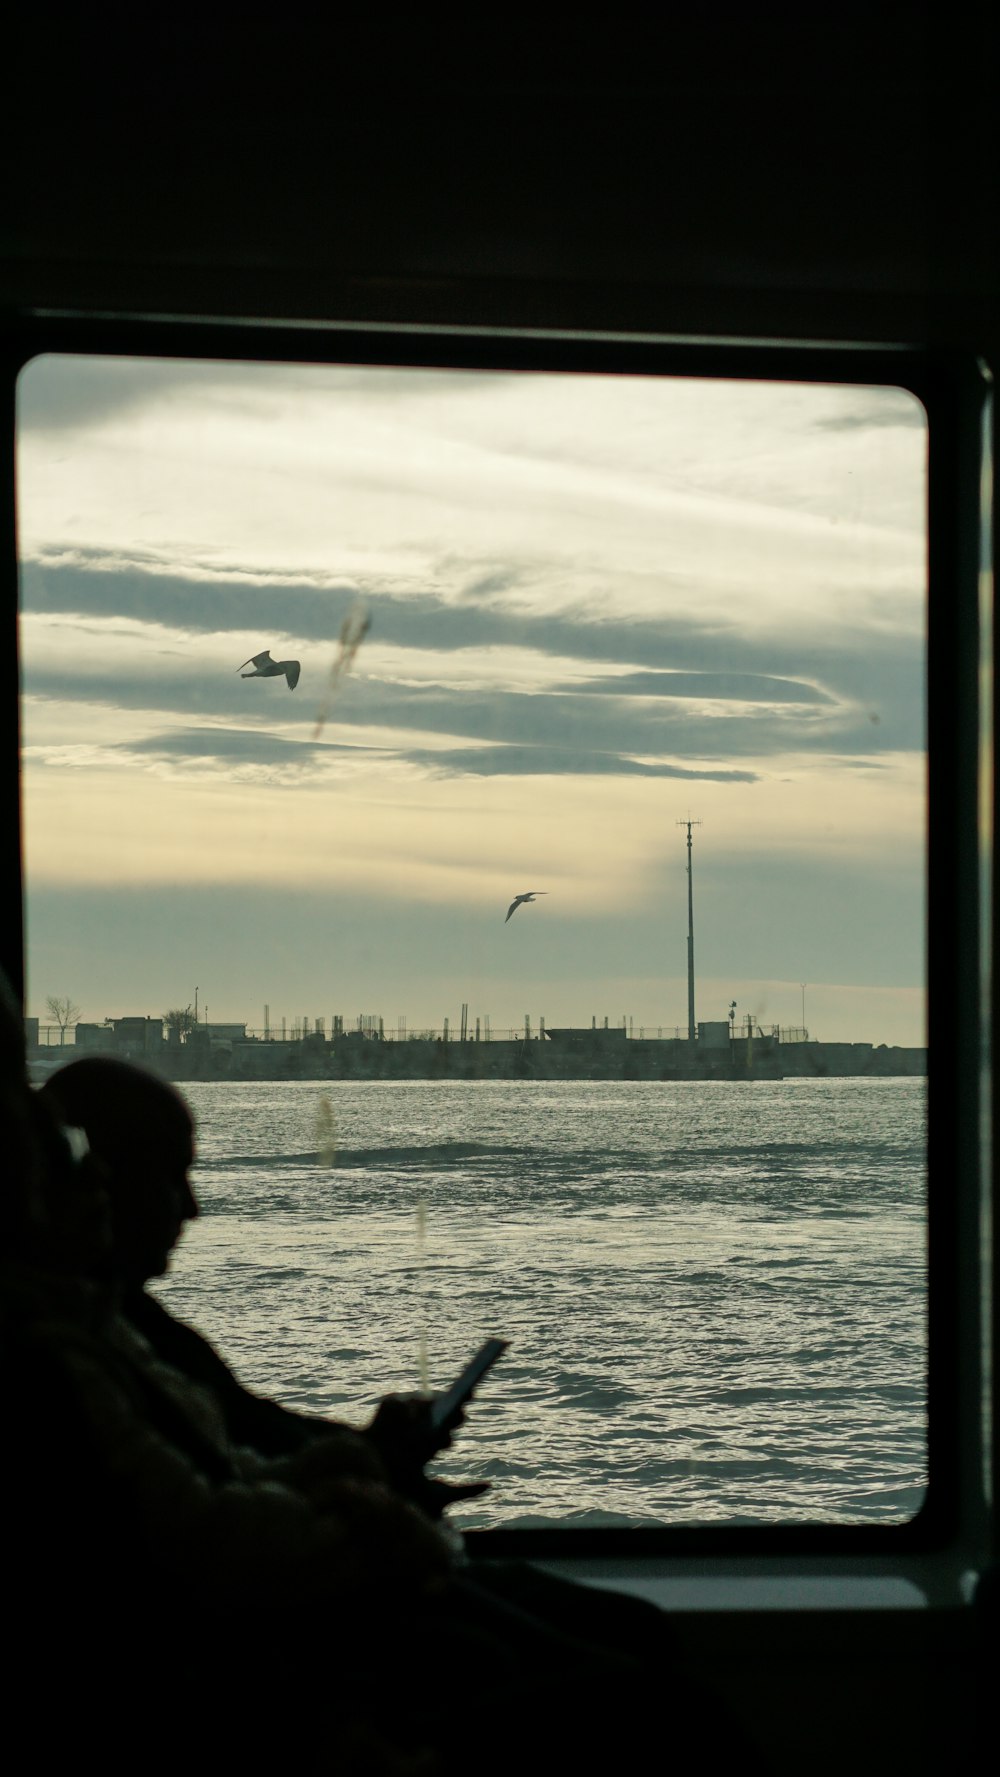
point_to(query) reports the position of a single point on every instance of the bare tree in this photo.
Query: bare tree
(62, 1012)
(179, 1020)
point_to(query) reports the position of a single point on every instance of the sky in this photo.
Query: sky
(543, 621)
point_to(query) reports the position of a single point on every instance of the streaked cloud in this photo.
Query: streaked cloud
(592, 602)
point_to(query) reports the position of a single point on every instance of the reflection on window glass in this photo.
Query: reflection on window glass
(499, 801)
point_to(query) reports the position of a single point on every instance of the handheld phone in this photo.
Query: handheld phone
(444, 1405)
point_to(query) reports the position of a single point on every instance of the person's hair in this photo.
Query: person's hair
(116, 1103)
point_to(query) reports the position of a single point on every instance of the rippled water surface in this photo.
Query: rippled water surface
(714, 1292)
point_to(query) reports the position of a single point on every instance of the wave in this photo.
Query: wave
(705, 1170)
(445, 1153)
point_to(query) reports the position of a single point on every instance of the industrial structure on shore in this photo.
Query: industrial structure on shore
(185, 1047)
(220, 1052)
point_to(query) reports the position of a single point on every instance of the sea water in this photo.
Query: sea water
(714, 1292)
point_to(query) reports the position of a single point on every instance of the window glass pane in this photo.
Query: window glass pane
(580, 662)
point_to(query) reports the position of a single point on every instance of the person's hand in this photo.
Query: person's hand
(406, 1439)
(435, 1496)
(404, 1434)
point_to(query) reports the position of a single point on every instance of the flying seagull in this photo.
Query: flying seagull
(516, 902)
(266, 668)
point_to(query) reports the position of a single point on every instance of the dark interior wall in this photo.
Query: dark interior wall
(771, 170)
(767, 172)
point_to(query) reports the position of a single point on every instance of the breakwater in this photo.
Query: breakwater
(586, 1055)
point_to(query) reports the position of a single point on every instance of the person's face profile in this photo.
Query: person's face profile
(155, 1201)
(183, 1204)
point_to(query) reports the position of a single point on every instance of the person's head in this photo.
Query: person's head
(142, 1133)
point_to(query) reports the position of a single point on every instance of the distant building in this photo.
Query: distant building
(217, 1035)
(131, 1038)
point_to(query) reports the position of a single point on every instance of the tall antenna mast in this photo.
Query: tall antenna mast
(692, 1029)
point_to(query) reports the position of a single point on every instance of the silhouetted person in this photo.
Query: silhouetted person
(149, 1558)
(141, 1131)
(176, 1558)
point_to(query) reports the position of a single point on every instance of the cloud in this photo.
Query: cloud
(544, 761)
(670, 734)
(496, 689)
(588, 596)
(547, 492)
(241, 747)
(883, 409)
(232, 599)
(223, 746)
(873, 654)
(62, 393)
(708, 686)
(99, 583)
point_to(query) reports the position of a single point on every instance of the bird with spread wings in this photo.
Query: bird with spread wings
(266, 668)
(519, 900)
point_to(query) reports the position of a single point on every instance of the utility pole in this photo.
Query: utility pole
(692, 1028)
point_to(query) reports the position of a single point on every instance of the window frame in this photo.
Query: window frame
(954, 390)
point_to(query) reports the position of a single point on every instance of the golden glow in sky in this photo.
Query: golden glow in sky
(595, 606)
